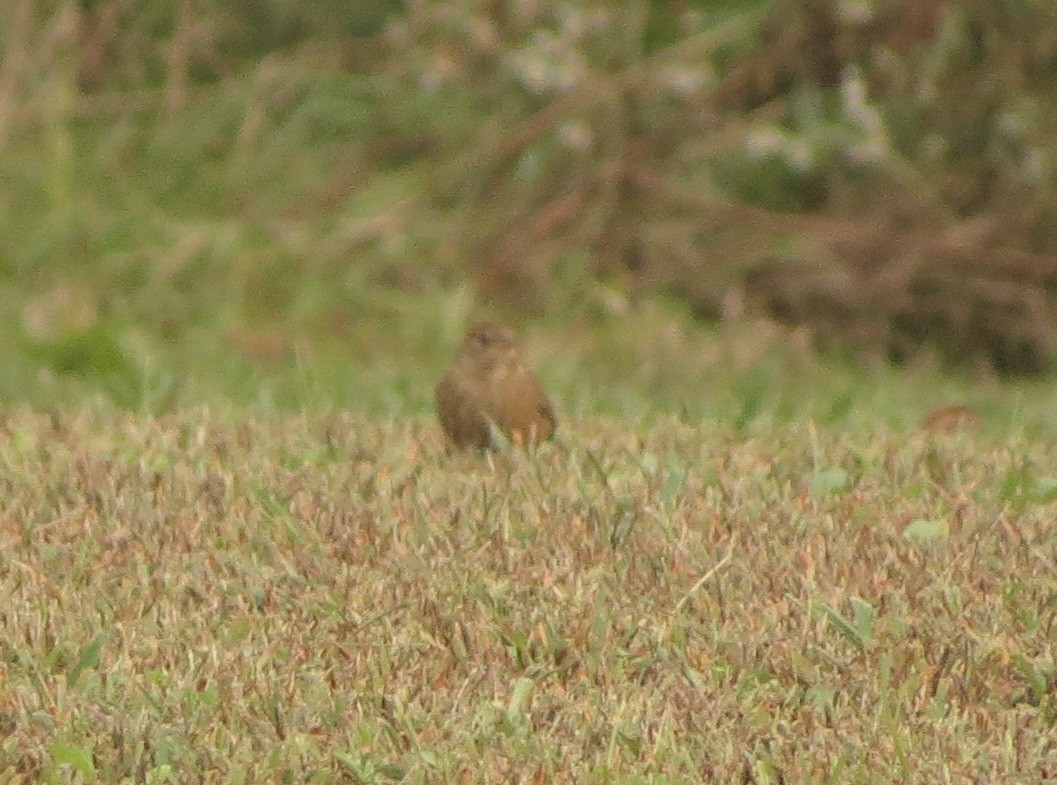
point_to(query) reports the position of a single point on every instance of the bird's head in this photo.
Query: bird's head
(487, 344)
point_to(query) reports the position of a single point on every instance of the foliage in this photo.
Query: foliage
(186, 192)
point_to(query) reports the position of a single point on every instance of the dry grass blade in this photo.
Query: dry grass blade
(712, 571)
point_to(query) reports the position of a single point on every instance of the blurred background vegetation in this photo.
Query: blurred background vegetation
(680, 203)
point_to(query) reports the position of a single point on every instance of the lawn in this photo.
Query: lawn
(212, 596)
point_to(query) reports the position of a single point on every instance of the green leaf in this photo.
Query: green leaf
(430, 758)
(1017, 481)
(496, 438)
(79, 758)
(840, 406)
(348, 761)
(751, 395)
(519, 697)
(622, 526)
(864, 617)
(392, 771)
(1044, 490)
(160, 774)
(673, 483)
(89, 658)
(94, 351)
(926, 530)
(843, 626)
(828, 482)
(1037, 681)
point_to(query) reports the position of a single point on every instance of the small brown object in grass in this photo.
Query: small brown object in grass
(489, 388)
(950, 418)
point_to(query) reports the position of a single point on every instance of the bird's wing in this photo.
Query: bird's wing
(460, 413)
(546, 413)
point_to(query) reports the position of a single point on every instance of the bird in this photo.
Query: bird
(489, 389)
(950, 418)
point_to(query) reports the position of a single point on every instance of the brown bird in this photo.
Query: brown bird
(950, 418)
(489, 388)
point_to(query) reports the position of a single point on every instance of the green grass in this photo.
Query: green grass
(232, 548)
(214, 597)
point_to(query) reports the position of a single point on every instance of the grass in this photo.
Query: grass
(211, 596)
(232, 548)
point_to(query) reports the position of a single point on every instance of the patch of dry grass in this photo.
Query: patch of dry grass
(211, 598)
